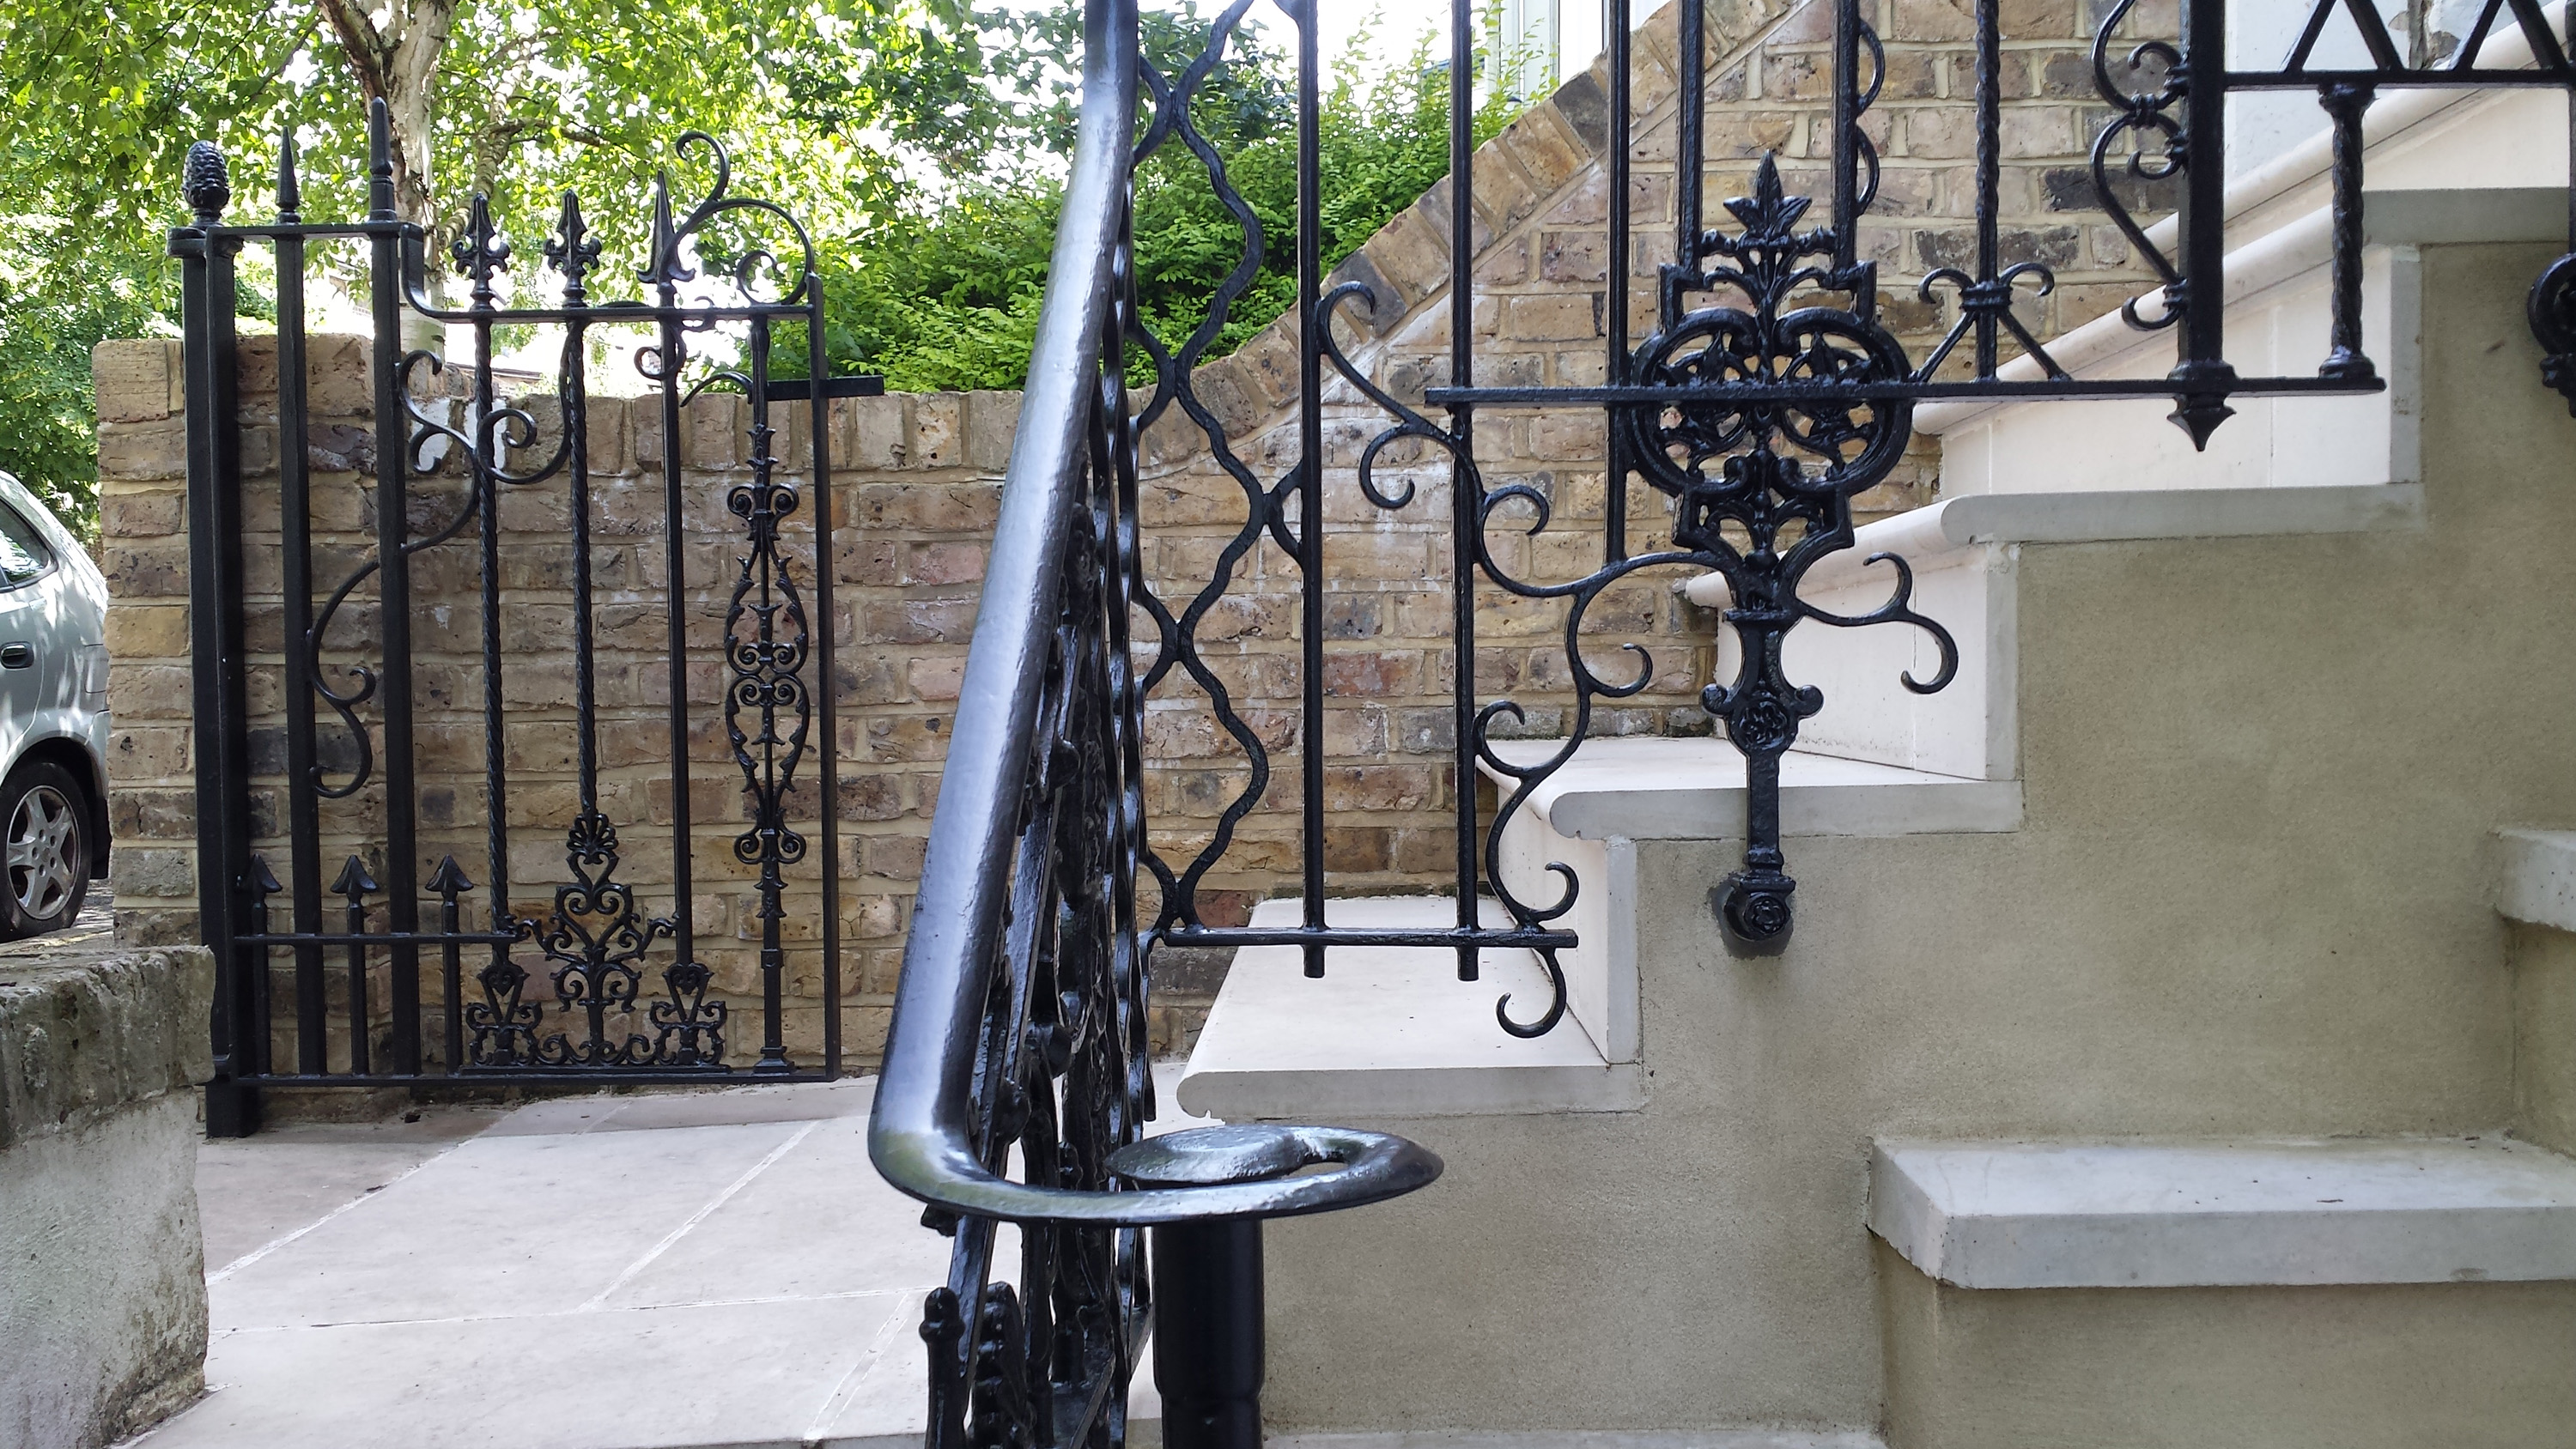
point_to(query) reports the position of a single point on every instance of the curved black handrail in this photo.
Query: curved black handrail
(922, 1134)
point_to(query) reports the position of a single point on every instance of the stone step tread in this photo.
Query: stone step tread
(2335, 1211)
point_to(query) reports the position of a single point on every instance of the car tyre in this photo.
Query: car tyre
(44, 846)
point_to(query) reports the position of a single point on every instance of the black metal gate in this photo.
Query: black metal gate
(420, 668)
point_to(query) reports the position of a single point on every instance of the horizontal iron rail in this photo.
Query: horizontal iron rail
(797, 389)
(1502, 939)
(2107, 389)
(379, 938)
(535, 1077)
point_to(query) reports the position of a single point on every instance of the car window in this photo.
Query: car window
(23, 555)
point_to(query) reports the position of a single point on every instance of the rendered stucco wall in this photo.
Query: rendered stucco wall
(102, 1268)
(2250, 897)
(2393, 1366)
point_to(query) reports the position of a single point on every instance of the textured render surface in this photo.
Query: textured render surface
(2250, 896)
(2145, 1215)
(2544, 1036)
(2461, 1365)
(102, 1293)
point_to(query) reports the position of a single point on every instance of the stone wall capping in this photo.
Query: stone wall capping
(992, 419)
(87, 1031)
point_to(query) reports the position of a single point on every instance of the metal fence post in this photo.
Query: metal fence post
(215, 635)
(1207, 1333)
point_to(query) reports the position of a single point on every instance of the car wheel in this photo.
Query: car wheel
(46, 850)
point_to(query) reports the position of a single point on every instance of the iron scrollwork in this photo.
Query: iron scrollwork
(631, 993)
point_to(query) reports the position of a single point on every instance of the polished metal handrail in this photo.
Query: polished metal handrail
(922, 1136)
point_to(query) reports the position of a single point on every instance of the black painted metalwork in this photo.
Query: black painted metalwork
(608, 981)
(1767, 395)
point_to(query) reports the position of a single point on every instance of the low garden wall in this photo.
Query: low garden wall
(102, 1266)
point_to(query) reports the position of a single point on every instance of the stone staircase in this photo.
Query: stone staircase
(2172, 1050)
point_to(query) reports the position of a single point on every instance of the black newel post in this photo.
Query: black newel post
(1207, 1333)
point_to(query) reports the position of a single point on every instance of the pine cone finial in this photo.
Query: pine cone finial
(206, 183)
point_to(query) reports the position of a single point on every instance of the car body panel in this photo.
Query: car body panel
(59, 620)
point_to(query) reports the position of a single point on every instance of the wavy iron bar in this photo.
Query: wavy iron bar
(1766, 396)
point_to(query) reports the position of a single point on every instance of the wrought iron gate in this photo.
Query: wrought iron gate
(340, 830)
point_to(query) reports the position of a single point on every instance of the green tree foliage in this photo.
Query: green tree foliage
(945, 295)
(921, 140)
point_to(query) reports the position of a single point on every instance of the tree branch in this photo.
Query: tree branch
(367, 51)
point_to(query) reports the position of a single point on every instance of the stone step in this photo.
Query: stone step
(2300, 1295)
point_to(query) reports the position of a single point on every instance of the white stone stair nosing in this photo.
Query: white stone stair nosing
(1976, 520)
(2000, 1215)
(1727, 1438)
(1692, 788)
(2536, 877)
(1390, 1032)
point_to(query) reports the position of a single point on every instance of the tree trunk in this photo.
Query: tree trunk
(397, 62)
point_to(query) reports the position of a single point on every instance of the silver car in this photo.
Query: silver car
(53, 717)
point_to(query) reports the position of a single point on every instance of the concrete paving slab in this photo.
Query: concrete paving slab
(819, 1221)
(691, 1107)
(522, 1225)
(717, 1269)
(740, 1376)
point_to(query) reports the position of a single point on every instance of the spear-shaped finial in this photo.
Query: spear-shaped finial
(449, 879)
(353, 881)
(290, 193)
(380, 162)
(481, 250)
(572, 251)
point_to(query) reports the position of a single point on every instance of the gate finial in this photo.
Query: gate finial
(206, 183)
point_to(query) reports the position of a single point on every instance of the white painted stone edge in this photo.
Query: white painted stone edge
(2347, 1246)
(1377, 1094)
(2536, 877)
(1733, 1438)
(1962, 525)
(1647, 812)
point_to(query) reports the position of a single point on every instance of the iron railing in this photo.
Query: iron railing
(621, 964)
(1767, 395)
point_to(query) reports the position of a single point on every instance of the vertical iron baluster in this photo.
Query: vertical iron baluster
(1989, 180)
(391, 237)
(1691, 174)
(447, 883)
(1464, 510)
(295, 524)
(1847, 129)
(2347, 103)
(487, 471)
(1614, 544)
(765, 670)
(665, 275)
(2200, 403)
(818, 417)
(251, 1048)
(355, 885)
(215, 625)
(1310, 506)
